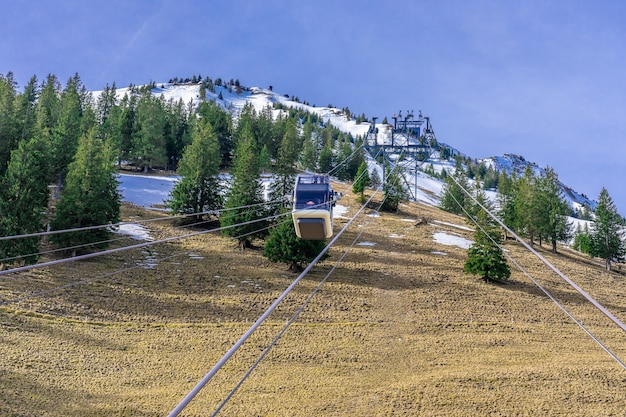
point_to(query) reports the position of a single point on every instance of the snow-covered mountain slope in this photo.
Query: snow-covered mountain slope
(515, 163)
(425, 188)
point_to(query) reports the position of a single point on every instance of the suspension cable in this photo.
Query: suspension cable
(298, 311)
(260, 320)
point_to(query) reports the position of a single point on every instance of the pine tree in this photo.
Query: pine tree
(582, 240)
(393, 191)
(24, 199)
(246, 191)
(607, 231)
(283, 245)
(506, 200)
(285, 170)
(484, 257)
(68, 129)
(8, 121)
(555, 226)
(454, 199)
(90, 196)
(529, 206)
(148, 142)
(199, 189)
(221, 122)
(362, 180)
(325, 162)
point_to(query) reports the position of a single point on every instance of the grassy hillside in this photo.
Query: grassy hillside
(398, 329)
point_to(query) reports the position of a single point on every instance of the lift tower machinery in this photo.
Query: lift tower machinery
(407, 146)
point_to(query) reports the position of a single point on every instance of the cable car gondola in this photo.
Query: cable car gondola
(313, 207)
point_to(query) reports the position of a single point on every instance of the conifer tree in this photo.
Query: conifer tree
(582, 239)
(606, 233)
(393, 190)
(454, 199)
(506, 200)
(325, 162)
(199, 189)
(221, 122)
(554, 224)
(90, 196)
(283, 245)
(361, 181)
(68, 129)
(285, 170)
(148, 142)
(484, 257)
(24, 199)
(529, 206)
(246, 191)
(8, 121)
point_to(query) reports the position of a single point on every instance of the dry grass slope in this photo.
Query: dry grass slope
(398, 329)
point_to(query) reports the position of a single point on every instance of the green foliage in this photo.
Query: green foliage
(582, 240)
(283, 245)
(362, 180)
(246, 190)
(454, 199)
(23, 200)
(554, 226)
(325, 162)
(265, 162)
(89, 197)
(484, 257)
(393, 191)
(148, 142)
(607, 232)
(199, 189)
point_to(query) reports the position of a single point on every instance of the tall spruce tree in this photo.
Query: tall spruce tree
(454, 199)
(8, 121)
(607, 231)
(361, 181)
(199, 189)
(285, 168)
(24, 199)
(554, 226)
(245, 194)
(90, 196)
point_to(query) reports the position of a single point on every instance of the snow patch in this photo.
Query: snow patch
(451, 240)
(134, 230)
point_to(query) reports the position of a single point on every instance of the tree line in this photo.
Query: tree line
(533, 205)
(61, 147)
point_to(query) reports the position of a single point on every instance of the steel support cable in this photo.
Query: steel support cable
(296, 314)
(260, 320)
(101, 226)
(544, 290)
(84, 281)
(136, 246)
(345, 161)
(547, 263)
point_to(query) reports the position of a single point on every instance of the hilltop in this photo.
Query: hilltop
(234, 98)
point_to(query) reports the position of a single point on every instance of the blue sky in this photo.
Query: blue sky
(543, 79)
